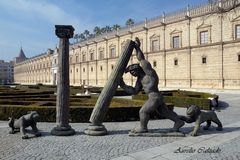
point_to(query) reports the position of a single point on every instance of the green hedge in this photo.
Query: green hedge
(22, 93)
(183, 98)
(47, 113)
(24, 98)
(81, 102)
(80, 113)
(186, 101)
(76, 114)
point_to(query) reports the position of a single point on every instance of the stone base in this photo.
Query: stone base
(96, 130)
(62, 131)
(158, 133)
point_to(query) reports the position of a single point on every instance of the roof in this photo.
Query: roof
(21, 54)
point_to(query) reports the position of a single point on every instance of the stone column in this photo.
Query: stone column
(104, 99)
(63, 128)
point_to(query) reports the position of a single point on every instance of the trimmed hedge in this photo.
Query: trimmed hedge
(22, 99)
(81, 102)
(79, 113)
(76, 114)
(183, 98)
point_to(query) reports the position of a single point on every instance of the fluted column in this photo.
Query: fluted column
(63, 128)
(104, 99)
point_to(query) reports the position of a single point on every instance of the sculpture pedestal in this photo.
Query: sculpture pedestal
(96, 130)
(62, 131)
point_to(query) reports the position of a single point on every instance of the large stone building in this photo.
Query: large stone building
(197, 47)
(6, 72)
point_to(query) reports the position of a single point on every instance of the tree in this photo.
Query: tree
(115, 27)
(107, 29)
(97, 31)
(76, 37)
(82, 37)
(91, 35)
(86, 33)
(129, 22)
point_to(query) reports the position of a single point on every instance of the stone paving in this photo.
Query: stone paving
(229, 151)
(118, 145)
(79, 146)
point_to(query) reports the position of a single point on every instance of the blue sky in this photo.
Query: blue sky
(30, 23)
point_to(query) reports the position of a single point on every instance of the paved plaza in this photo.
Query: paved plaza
(118, 145)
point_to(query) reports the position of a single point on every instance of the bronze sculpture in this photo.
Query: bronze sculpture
(147, 79)
(23, 122)
(194, 114)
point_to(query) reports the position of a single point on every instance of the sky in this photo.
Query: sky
(30, 23)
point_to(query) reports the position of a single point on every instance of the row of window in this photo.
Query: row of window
(204, 61)
(203, 39)
(155, 45)
(101, 68)
(112, 54)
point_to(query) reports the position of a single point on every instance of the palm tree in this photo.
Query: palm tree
(107, 29)
(103, 30)
(97, 31)
(86, 33)
(91, 35)
(82, 37)
(115, 27)
(76, 36)
(129, 22)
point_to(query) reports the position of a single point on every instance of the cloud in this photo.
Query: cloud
(41, 10)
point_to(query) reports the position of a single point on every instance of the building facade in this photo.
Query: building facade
(6, 72)
(198, 47)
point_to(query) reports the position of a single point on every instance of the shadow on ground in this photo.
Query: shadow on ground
(212, 130)
(116, 132)
(222, 105)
